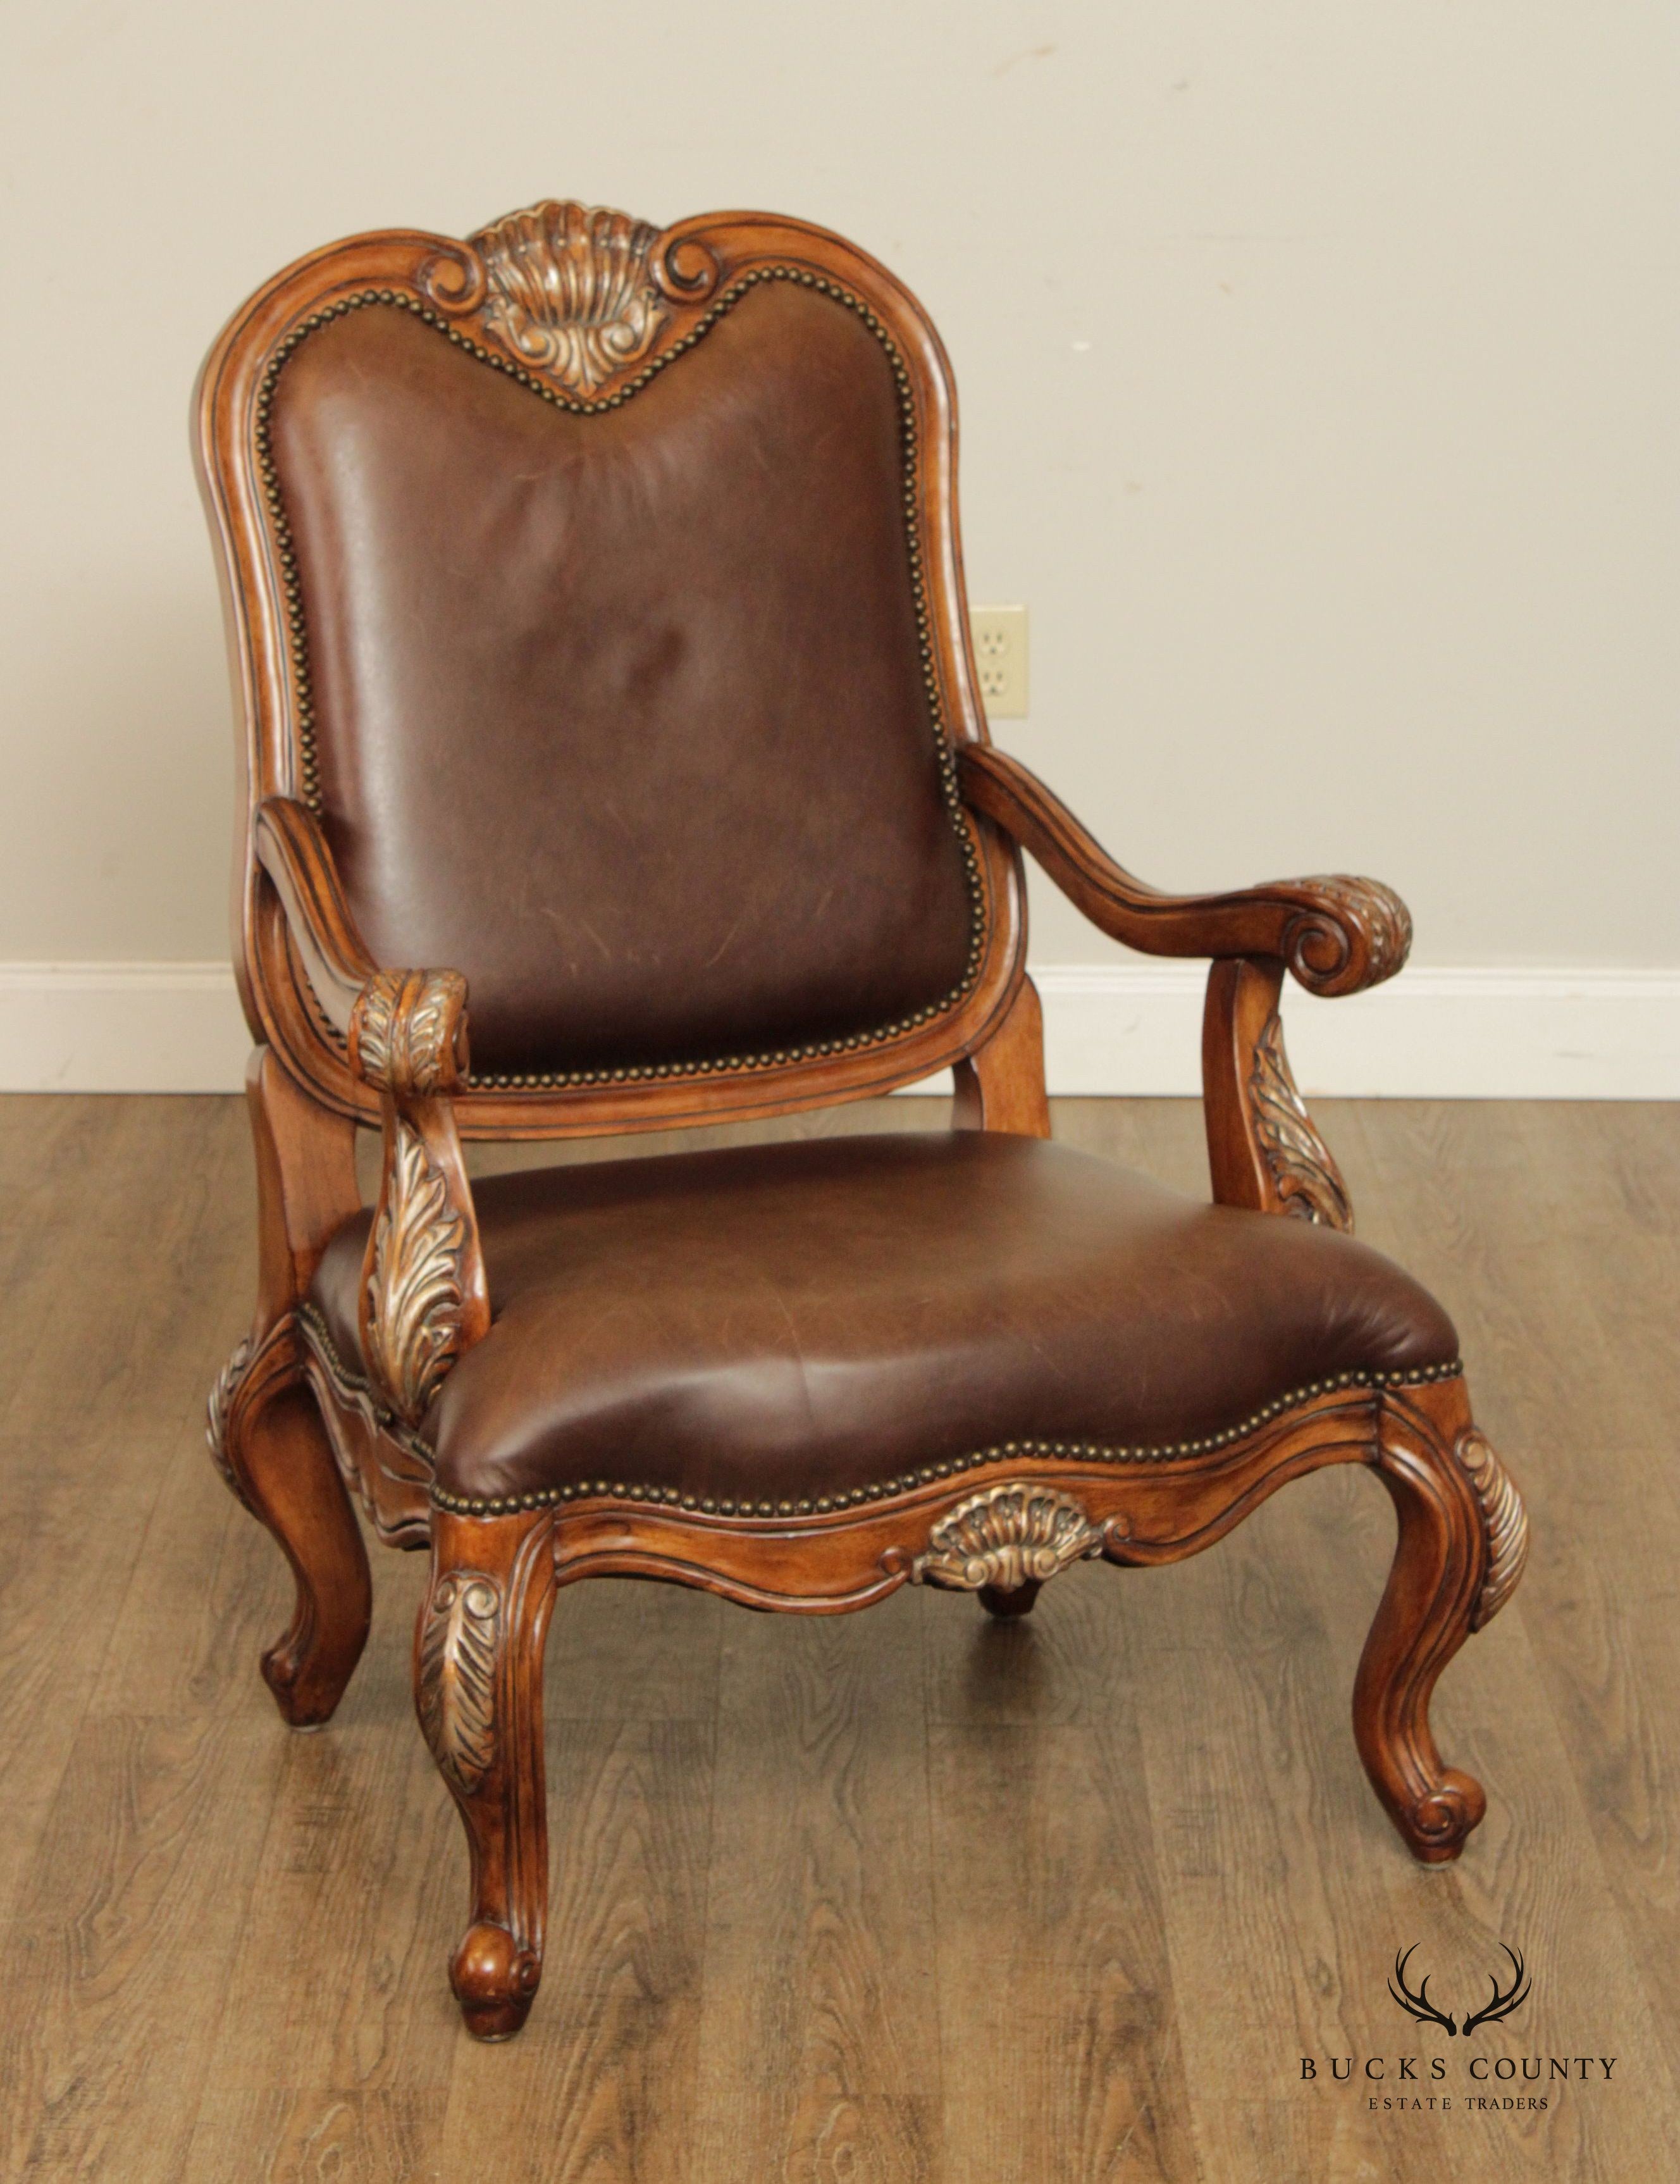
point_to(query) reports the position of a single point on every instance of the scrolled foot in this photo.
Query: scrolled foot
(1006, 1605)
(494, 1981)
(1436, 1828)
(287, 1670)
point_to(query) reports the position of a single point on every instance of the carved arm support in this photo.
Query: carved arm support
(1337, 934)
(424, 1298)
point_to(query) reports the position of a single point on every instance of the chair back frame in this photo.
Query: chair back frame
(480, 293)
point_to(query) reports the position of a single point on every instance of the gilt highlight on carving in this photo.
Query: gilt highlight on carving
(571, 289)
(456, 1676)
(216, 1419)
(406, 1030)
(414, 1289)
(1007, 1537)
(1504, 1519)
(1307, 1179)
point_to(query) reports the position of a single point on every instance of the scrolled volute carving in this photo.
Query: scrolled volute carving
(573, 291)
(407, 1032)
(457, 1675)
(1349, 934)
(1504, 1523)
(1006, 1537)
(684, 269)
(1306, 1178)
(412, 1329)
(453, 278)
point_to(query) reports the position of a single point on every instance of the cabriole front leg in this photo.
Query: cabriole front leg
(478, 1689)
(269, 1443)
(1463, 1539)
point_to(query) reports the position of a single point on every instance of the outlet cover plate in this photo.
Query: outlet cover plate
(1000, 657)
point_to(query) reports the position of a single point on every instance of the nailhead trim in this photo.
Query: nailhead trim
(613, 1489)
(303, 695)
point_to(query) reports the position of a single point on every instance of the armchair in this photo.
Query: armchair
(594, 598)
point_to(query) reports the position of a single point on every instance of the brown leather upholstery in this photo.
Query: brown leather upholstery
(801, 1319)
(622, 714)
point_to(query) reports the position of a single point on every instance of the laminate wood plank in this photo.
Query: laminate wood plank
(1245, 1701)
(1588, 1440)
(601, 2084)
(620, 1651)
(116, 1968)
(105, 1382)
(1532, 1874)
(80, 1334)
(906, 1894)
(1053, 1974)
(1047, 1671)
(819, 2036)
(356, 1892)
(292, 2135)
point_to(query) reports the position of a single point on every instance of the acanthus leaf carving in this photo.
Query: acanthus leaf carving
(457, 1675)
(373, 1026)
(256, 1366)
(405, 1031)
(571, 289)
(1308, 1182)
(414, 1296)
(217, 1411)
(1505, 1522)
(1007, 1536)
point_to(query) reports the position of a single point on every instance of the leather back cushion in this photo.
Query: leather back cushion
(621, 714)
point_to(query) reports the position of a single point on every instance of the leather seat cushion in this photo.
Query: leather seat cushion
(802, 1319)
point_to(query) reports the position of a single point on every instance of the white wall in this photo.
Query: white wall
(1317, 364)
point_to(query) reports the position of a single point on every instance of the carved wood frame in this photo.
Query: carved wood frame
(1462, 1542)
(295, 1428)
(463, 286)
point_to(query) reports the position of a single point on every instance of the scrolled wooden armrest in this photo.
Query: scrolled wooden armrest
(293, 851)
(423, 1299)
(406, 1030)
(1337, 934)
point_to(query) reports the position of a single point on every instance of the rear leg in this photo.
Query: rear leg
(270, 1446)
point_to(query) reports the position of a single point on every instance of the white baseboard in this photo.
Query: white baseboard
(120, 1028)
(1467, 1033)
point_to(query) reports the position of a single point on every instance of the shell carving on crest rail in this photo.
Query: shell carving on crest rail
(1505, 1521)
(415, 1287)
(457, 1675)
(1007, 1537)
(1308, 1182)
(571, 289)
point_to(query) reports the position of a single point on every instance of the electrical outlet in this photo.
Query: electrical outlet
(1000, 654)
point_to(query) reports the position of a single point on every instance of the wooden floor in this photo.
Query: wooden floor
(898, 1896)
